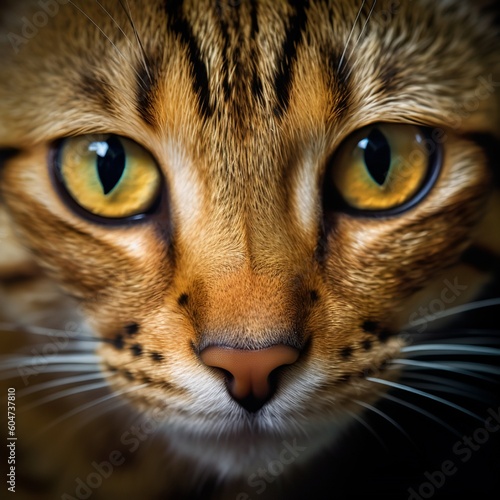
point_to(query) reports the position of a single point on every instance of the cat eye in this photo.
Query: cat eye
(383, 169)
(108, 176)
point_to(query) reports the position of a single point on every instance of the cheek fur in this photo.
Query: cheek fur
(324, 324)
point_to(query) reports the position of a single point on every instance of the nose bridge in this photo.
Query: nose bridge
(244, 208)
(246, 290)
(238, 232)
(244, 264)
(247, 309)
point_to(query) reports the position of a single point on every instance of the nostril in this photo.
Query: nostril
(251, 403)
(249, 372)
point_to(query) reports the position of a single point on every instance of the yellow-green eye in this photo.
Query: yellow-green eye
(384, 167)
(108, 175)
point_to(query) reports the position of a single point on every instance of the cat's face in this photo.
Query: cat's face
(253, 116)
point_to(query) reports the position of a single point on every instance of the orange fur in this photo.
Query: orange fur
(243, 233)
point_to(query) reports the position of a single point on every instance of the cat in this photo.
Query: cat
(240, 241)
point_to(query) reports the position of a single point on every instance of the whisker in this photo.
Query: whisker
(90, 404)
(68, 392)
(30, 361)
(110, 41)
(454, 366)
(361, 34)
(84, 368)
(445, 337)
(422, 412)
(350, 36)
(367, 426)
(106, 407)
(58, 382)
(128, 13)
(454, 310)
(473, 391)
(30, 352)
(34, 353)
(424, 394)
(136, 34)
(448, 389)
(46, 332)
(114, 21)
(451, 349)
(474, 331)
(385, 417)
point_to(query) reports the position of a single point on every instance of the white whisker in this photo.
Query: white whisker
(453, 366)
(417, 392)
(30, 352)
(472, 390)
(445, 338)
(68, 392)
(58, 382)
(84, 368)
(46, 332)
(110, 41)
(443, 388)
(114, 21)
(339, 67)
(384, 416)
(361, 34)
(451, 349)
(454, 310)
(95, 413)
(417, 409)
(367, 426)
(86, 406)
(128, 12)
(38, 361)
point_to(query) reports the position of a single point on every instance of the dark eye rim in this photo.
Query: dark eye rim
(59, 185)
(333, 201)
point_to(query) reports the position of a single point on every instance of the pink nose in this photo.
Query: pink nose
(249, 369)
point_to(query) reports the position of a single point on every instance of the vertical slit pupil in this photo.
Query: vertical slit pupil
(377, 156)
(110, 163)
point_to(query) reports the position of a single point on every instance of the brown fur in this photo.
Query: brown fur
(243, 235)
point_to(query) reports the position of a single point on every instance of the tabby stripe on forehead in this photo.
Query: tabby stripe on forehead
(97, 90)
(254, 27)
(225, 35)
(296, 25)
(254, 30)
(145, 93)
(179, 25)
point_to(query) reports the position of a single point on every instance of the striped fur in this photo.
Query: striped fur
(243, 105)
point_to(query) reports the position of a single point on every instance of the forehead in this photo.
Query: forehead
(230, 68)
